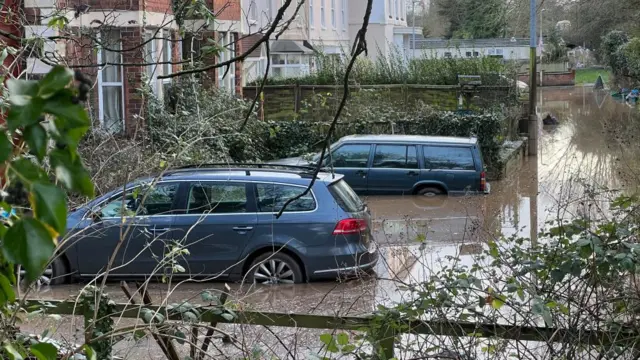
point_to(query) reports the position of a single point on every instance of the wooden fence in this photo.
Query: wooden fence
(386, 342)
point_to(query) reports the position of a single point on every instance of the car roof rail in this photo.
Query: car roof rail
(242, 166)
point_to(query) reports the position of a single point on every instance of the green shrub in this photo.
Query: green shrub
(395, 70)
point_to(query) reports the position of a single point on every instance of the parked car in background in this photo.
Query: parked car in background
(405, 164)
(225, 219)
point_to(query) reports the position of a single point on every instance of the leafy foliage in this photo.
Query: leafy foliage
(40, 113)
(473, 19)
(395, 70)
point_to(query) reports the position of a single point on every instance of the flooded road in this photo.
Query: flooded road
(586, 156)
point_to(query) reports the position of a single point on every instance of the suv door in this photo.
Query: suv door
(141, 220)
(352, 161)
(394, 170)
(451, 165)
(217, 224)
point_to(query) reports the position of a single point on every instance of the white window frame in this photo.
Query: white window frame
(323, 20)
(253, 11)
(334, 21)
(302, 66)
(167, 55)
(344, 14)
(102, 84)
(151, 70)
(227, 82)
(311, 22)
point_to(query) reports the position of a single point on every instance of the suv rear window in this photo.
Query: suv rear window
(346, 198)
(448, 158)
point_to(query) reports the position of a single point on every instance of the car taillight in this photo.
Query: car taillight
(483, 181)
(350, 226)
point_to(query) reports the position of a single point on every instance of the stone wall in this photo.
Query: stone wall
(282, 101)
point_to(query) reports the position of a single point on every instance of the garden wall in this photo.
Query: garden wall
(564, 78)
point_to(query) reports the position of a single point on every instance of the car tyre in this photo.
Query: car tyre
(55, 273)
(430, 191)
(275, 268)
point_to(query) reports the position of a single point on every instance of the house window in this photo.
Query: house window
(311, 13)
(228, 42)
(447, 55)
(151, 59)
(396, 9)
(322, 18)
(110, 83)
(492, 52)
(344, 15)
(468, 53)
(390, 8)
(333, 13)
(253, 11)
(475, 54)
(499, 52)
(166, 60)
(402, 9)
(289, 65)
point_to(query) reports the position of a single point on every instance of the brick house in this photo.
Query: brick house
(123, 44)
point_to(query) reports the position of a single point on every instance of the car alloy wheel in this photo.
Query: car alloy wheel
(44, 280)
(274, 271)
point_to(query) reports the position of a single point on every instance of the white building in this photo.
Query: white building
(508, 49)
(388, 31)
(327, 26)
(321, 25)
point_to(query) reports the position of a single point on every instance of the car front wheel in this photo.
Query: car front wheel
(54, 274)
(430, 191)
(275, 268)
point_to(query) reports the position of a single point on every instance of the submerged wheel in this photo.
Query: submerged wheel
(430, 191)
(275, 268)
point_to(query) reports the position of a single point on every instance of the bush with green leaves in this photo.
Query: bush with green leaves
(45, 122)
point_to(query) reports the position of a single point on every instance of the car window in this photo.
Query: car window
(395, 157)
(448, 158)
(272, 197)
(151, 200)
(217, 198)
(346, 198)
(349, 156)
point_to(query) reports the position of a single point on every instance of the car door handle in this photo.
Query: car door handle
(361, 173)
(413, 173)
(243, 228)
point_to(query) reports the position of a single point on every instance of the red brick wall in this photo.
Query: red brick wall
(552, 78)
(227, 9)
(132, 37)
(238, 73)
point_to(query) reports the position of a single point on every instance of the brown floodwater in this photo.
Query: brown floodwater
(586, 159)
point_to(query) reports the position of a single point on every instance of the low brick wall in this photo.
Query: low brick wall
(565, 78)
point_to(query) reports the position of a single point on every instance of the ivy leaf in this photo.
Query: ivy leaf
(13, 353)
(343, 339)
(206, 296)
(21, 92)
(49, 205)
(497, 303)
(55, 80)
(20, 116)
(70, 172)
(7, 295)
(326, 338)
(30, 244)
(227, 316)
(89, 352)
(557, 275)
(181, 337)
(36, 137)
(44, 351)
(6, 148)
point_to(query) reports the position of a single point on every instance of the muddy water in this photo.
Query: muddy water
(587, 152)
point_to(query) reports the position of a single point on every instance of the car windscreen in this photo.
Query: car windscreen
(346, 198)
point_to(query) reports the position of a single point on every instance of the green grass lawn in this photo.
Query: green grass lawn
(589, 76)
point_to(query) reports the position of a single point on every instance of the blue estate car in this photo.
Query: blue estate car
(225, 218)
(405, 164)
